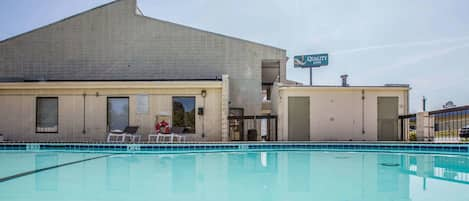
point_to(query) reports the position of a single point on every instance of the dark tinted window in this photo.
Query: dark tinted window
(184, 113)
(47, 115)
(117, 113)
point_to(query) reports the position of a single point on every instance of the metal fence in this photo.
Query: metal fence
(450, 125)
(253, 128)
(446, 125)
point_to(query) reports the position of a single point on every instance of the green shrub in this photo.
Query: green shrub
(413, 135)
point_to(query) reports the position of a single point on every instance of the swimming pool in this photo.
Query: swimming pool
(284, 172)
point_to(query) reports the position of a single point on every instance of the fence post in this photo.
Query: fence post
(225, 108)
(401, 129)
(424, 127)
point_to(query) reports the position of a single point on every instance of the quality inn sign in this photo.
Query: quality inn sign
(308, 61)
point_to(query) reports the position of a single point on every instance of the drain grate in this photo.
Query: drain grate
(390, 164)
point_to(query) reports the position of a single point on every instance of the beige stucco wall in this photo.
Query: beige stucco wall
(336, 112)
(18, 102)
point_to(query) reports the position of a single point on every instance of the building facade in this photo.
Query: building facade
(116, 43)
(334, 113)
(111, 67)
(86, 111)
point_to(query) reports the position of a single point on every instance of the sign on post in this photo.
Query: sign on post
(311, 61)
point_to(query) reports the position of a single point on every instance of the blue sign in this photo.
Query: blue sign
(308, 61)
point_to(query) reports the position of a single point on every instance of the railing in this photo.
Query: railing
(446, 125)
(407, 124)
(252, 128)
(450, 125)
(267, 105)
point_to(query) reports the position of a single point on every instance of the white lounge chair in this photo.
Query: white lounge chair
(175, 133)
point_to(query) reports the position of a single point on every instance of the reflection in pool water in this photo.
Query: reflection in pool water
(284, 175)
(48, 180)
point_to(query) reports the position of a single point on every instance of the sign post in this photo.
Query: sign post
(311, 61)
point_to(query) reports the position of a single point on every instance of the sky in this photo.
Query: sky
(424, 43)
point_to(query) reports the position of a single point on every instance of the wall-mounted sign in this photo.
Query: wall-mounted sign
(310, 61)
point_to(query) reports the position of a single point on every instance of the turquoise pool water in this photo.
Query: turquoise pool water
(219, 176)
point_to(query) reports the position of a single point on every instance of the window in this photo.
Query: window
(184, 113)
(47, 115)
(117, 113)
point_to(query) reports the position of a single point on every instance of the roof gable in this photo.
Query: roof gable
(135, 10)
(113, 42)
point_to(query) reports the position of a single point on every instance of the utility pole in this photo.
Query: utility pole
(424, 103)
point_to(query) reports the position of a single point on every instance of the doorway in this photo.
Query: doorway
(298, 119)
(236, 123)
(117, 113)
(387, 118)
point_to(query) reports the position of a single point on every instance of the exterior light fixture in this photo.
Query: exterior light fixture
(203, 93)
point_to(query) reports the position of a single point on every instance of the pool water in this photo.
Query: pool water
(259, 176)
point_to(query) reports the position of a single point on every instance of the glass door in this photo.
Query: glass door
(117, 113)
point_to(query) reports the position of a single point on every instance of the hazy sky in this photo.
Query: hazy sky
(424, 43)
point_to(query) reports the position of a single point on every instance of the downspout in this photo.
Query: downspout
(363, 112)
(84, 114)
(203, 119)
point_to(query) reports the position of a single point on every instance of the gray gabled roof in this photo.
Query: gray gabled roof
(139, 13)
(116, 42)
